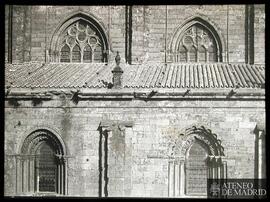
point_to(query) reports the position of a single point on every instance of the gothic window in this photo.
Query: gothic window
(81, 42)
(199, 44)
(196, 170)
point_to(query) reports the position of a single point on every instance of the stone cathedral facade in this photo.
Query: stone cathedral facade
(133, 101)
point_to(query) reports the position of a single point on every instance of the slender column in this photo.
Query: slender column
(29, 174)
(62, 178)
(171, 179)
(66, 176)
(106, 179)
(128, 38)
(225, 169)
(218, 168)
(59, 178)
(10, 33)
(182, 178)
(22, 174)
(177, 178)
(210, 168)
(261, 159)
(214, 164)
(101, 170)
(18, 174)
(32, 174)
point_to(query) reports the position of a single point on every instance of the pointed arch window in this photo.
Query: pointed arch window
(200, 44)
(82, 42)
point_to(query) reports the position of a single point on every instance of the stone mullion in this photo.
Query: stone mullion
(207, 55)
(81, 52)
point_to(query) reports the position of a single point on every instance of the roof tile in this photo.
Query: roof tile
(152, 75)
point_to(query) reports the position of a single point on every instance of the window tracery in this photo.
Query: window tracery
(81, 43)
(196, 44)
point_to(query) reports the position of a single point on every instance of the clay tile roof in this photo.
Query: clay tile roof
(150, 75)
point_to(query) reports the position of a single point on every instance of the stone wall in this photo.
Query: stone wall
(155, 123)
(259, 34)
(34, 26)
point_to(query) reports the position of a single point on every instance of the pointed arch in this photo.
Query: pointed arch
(96, 28)
(201, 23)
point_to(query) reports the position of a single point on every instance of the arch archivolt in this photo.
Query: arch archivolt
(201, 134)
(27, 175)
(38, 134)
(181, 144)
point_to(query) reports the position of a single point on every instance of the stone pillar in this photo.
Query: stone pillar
(128, 161)
(261, 155)
(101, 166)
(18, 175)
(114, 150)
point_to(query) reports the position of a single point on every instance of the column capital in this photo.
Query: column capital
(110, 125)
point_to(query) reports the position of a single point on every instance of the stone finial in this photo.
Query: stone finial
(117, 58)
(117, 73)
